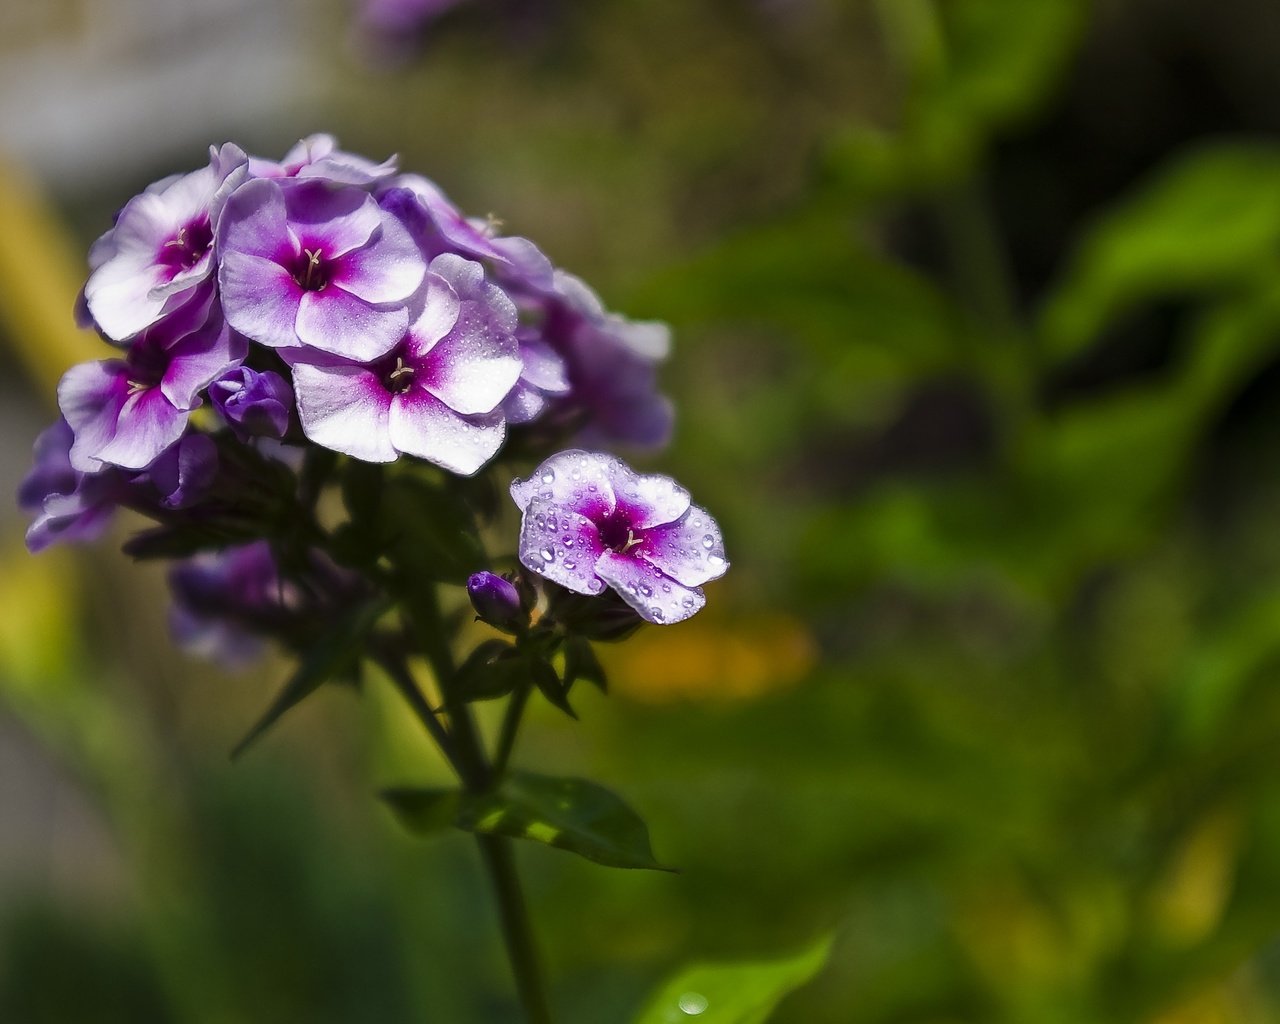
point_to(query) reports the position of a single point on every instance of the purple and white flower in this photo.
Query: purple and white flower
(160, 248)
(612, 366)
(67, 504)
(318, 156)
(436, 394)
(591, 522)
(308, 263)
(125, 412)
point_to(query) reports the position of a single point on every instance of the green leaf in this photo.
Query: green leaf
(492, 670)
(580, 662)
(1210, 219)
(571, 814)
(423, 811)
(335, 654)
(733, 993)
(548, 682)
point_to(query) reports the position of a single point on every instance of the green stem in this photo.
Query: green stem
(499, 861)
(404, 682)
(510, 726)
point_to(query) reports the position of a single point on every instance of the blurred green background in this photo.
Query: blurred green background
(977, 313)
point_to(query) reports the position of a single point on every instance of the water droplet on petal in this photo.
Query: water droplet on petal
(646, 590)
(570, 565)
(708, 542)
(547, 555)
(549, 476)
(656, 612)
(715, 560)
(594, 585)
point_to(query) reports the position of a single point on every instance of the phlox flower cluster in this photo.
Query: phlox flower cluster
(262, 311)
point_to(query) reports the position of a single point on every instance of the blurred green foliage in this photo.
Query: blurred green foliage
(1031, 775)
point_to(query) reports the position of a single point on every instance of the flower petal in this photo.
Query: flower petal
(690, 550)
(655, 596)
(647, 500)
(336, 220)
(260, 299)
(388, 269)
(561, 545)
(336, 321)
(148, 425)
(198, 359)
(345, 408)
(424, 426)
(574, 479)
(476, 364)
(91, 396)
(255, 222)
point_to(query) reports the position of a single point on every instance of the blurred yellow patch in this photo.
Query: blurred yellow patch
(1188, 900)
(37, 617)
(706, 659)
(39, 280)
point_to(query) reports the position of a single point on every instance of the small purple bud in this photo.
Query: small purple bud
(497, 602)
(253, 404)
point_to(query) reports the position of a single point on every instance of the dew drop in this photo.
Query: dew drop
(656, 612)
(547, 555)
(708, 542)
(549, 477)
(715, 560)
(692, 1003)
(595, 586)
(570, 565)
(646, 590)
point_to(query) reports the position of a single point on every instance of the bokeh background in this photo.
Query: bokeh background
(977, 313)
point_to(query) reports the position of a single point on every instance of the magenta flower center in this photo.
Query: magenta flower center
(616, 533)
(396, 375)
(148, 362)
(311, 270)
(188, 247)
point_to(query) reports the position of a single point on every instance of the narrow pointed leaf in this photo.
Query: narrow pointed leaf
(548, 682)
(337, 654)
(733, 993)
(580, 662)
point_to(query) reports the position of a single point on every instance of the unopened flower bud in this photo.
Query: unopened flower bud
(497, 602)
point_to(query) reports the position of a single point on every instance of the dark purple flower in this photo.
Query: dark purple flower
(543, 378)
(307, 263)
(160, 248)
(253, 404)
(318, 156)
(125, 412)
(590, 522)
(496, 601)
(67, 504)
(225, 603)
(184, 473)
(436, 394)
(612, 366)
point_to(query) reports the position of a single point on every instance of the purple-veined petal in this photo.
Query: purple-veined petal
(336, 321)
(440, 309)
(120, 297)
(254, 222)
(543, 367)
(647, 500)
(574, 479)
(558, 543)
(336, 220)
(345, 408)
(198, 359)
(389, 269)
(423, 426)
(260, 299)
(476, 364)
(655, 596)
(91, 396)
(148, 424)
(523, 404)
(690, 550)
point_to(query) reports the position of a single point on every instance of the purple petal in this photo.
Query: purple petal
(647, 500)
(543, 368)
(119, 296)
(475, 365)
(260, 299)
(336, 220)
(200, 358)
(423, 426)
(655, 596)
(148, 424)
(345, 408)
(336, 321)
(389, 269)
(561, 545)
(51, 471)
(91, 396)
(254, 222)
(184, 472)
(690, 550)
(575, 479)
